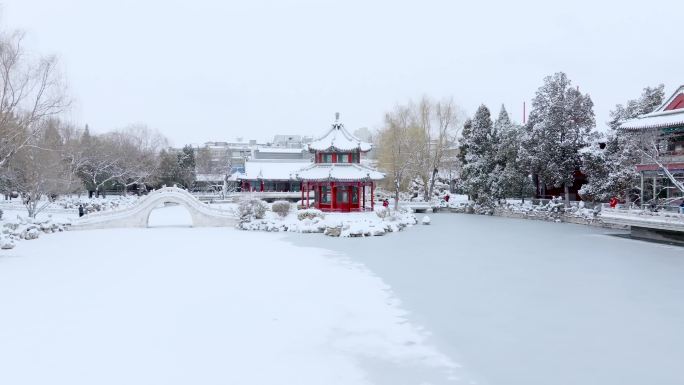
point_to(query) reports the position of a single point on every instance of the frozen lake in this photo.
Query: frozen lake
(466, 300)
(528, 302)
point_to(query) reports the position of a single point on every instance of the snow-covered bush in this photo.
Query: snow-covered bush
(6, 242)
(310, 214)
(0, 213)
(259, 208)
(245, 210)
(251, 208)
(382, 212)
(282, 208)
(425, 220)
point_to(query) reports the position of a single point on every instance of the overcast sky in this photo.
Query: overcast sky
(215, 70)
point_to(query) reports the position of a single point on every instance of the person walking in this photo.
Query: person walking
(81, 211)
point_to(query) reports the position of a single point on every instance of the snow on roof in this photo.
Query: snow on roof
(338, 172)
(281, 150)
(209, 177)
(271, 170)
(660, 119)
(338, 138)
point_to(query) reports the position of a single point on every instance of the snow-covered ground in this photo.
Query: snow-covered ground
(176, 305)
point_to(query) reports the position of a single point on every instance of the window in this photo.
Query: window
(327, 158)
(355, 157)
(355, 195)
(326, 195)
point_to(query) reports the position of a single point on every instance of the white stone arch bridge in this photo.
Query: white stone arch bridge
(138, 214)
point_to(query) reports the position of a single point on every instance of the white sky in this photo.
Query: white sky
(214, 70)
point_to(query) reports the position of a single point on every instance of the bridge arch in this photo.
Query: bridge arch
(138, 214)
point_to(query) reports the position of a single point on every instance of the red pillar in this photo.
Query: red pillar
(363, 195)
(301, 188)
(307, 195)
(372, 197)
(262, 186)
(333, 201)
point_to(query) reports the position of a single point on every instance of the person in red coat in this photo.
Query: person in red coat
(613, 202)
(385, 203)
(446, 198)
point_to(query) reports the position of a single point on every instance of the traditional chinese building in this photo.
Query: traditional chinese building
(337, 178)
(272, 175)
(662, 132)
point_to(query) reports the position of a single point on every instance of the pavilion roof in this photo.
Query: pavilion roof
(338, 138)
(343, 172)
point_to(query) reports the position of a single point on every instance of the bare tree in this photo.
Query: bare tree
(39, 170)
(396, 154)
(138, 148)
(31, 91)
(437, 122)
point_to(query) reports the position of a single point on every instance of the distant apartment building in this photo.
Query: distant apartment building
(215, 161)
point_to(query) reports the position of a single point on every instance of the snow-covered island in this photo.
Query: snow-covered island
(283, 216)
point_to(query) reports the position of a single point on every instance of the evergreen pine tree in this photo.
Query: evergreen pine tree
(480, 168)
(513, 180)
(560, 125)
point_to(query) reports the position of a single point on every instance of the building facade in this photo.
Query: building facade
(662, 136)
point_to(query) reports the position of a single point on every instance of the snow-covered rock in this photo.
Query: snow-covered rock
(27, 229)
(6, 243)
(425, 220)
(359, 224)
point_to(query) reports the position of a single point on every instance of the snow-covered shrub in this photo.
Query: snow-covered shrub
(6, 242)
(382, 212)
(310, 214)
(259, 208)
(251, 208)
(282, 208)
(0, 213)
(245, 210)
(425, 220)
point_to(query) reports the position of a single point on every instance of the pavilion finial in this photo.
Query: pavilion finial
(337, 116)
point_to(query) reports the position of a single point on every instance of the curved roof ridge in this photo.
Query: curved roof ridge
(345, 141)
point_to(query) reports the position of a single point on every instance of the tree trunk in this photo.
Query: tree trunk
(522, 193)
(567, 194)
(432, 184)
(535, 181)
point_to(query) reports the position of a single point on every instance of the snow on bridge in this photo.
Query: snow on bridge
(419, 206)
(641, 218)
(660, 226)
(137, 215)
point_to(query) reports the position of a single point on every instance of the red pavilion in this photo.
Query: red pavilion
(337, 178)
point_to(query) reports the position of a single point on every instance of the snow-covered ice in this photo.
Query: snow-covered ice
(177, 305)
(522, 302)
